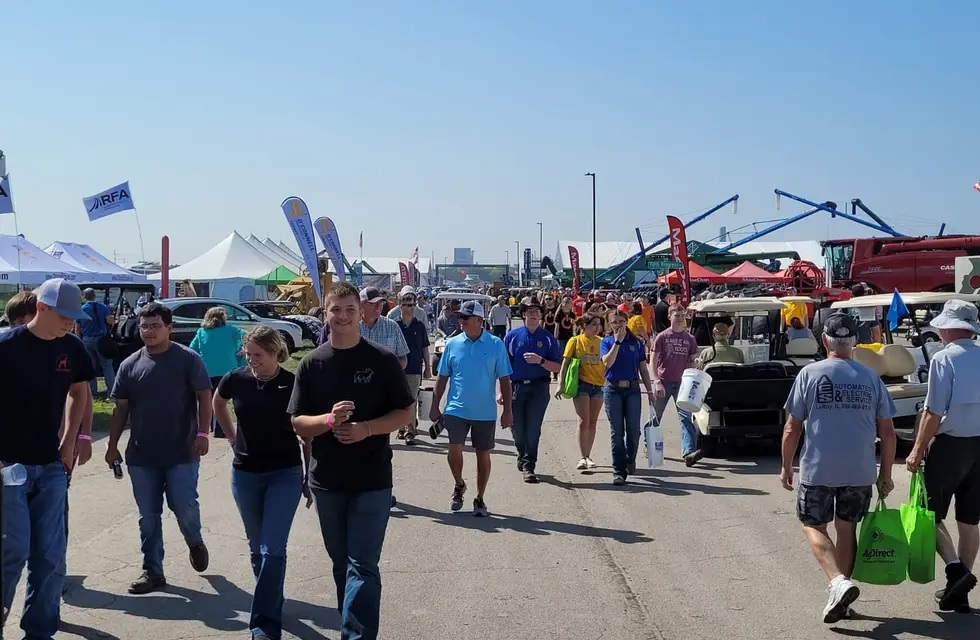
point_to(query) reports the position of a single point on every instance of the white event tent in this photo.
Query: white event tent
(33, 266)
(273, 255)
(230, 269)
(285, 247)
(104, 271)
(284, 255)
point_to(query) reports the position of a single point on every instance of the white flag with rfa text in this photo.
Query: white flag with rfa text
(6, 199)
(118, 198)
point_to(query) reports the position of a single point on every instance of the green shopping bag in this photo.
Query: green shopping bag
(569, 386)
(883, 549)
(920, 530)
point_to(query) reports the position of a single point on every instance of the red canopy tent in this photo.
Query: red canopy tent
(748, 273)
(697, 273)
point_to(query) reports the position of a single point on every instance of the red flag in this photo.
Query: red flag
(573, 261)
(678, 253)
(403, 272)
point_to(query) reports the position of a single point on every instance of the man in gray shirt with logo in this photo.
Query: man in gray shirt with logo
(164, 391)
(845, 406)
(952, 415)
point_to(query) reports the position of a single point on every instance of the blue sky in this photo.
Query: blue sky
(445, 124)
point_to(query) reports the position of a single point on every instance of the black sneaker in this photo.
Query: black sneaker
(631, 469)
(959, 582)
(147, 583)
(529, 477)
(480, 508)
(409, 439)
(520, 466)
(692, 458)
(619, 481)
(394, 501)
(457, 500)
(435, 429)
(401, 434)
(199, 557)
(960, 606)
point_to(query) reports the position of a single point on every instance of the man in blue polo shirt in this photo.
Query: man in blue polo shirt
(534, 355)
(471, 365)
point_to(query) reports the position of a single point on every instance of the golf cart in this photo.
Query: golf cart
(902, 364)
(745, 401)
(455, 299)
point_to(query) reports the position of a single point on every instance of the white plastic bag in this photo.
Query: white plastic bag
(654, 435)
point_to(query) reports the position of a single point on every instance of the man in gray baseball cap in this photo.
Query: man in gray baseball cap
(952, 416)
(41, 366)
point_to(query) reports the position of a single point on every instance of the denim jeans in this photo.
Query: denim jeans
(353, 527)
(623, 411)
(267, 503)
(34, 534)
(179, 484)
(101, 364)
(529, 406)
(689, 432)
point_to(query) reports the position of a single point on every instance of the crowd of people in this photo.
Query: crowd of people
(323, 433)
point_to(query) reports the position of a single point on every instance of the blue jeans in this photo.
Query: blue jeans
(34, 534)
(179, 484)
(267, 503)
(101, 363)
(689, 432)
(529, 406)
(353, 527)
(623, 411)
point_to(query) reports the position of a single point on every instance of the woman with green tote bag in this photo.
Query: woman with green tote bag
(582, 353)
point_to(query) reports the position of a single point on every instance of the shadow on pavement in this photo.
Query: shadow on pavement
(953, 626)
(498, 522)
(85, 632)
(650, 483)
(440, 447)
(220, 610)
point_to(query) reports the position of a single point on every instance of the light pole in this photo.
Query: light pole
(507, 261)
(540, 253)
(519, 279)
(594, 284)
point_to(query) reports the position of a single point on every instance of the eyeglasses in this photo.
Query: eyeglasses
(152, 327)
(408, 304)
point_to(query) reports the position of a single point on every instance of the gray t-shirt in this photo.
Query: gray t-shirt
(953, 390)
(840, 402)
(161, 390)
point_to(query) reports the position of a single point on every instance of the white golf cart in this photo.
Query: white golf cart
(902, 366)
(454, 298)
(745, 401)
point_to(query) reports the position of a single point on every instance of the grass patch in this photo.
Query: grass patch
(103, 408)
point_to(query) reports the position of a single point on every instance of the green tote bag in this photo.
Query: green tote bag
(883, 549)
(920, 529)
(569, 386)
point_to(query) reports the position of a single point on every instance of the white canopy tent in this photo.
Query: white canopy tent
(33, 266)
(272, 255)
(274, 249)
(285, 247)
(230, 268)
(82, 256)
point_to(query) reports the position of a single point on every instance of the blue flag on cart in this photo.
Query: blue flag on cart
(896, 311)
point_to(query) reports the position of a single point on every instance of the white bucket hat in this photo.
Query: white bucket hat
(957, 314)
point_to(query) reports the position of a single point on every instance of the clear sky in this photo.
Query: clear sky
(444, 124)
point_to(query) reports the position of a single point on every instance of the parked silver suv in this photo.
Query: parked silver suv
(189, 312)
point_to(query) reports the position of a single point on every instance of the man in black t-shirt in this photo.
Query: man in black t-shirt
(349, 395)
(661, 312)
(41, 365)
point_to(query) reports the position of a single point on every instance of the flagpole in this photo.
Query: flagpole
(139, 230)
(20, 276)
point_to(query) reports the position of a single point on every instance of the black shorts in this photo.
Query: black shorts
(499, 330)
(817, 505)
(952, 470)
(483, 433)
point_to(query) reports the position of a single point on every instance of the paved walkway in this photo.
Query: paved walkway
(683, 554)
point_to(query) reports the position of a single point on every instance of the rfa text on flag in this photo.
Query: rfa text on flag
(108, 202)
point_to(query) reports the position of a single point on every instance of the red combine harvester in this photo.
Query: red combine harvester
(908, 264)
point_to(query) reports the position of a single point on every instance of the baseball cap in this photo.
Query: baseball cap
(371, 294)
(840, 325)
(63, 297)
(407, 290)
(470, 309)
(957, 314)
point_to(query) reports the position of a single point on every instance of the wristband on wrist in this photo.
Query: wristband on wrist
(330, 421)
(203, 434)
(84, 436)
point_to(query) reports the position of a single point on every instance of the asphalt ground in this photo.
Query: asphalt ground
(684, 554)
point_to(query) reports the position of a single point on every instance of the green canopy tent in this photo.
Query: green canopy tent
(279, 275)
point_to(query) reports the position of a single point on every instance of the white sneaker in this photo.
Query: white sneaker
(591, 464)
(582, 464)
(839, 603)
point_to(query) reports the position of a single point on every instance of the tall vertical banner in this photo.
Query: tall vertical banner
(403, 273)
(327, 231)
(576, 276)
(678, 253)
(298, 218)
(6, 198)
(527, 264)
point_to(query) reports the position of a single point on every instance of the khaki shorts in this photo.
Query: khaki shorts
(414, 383)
